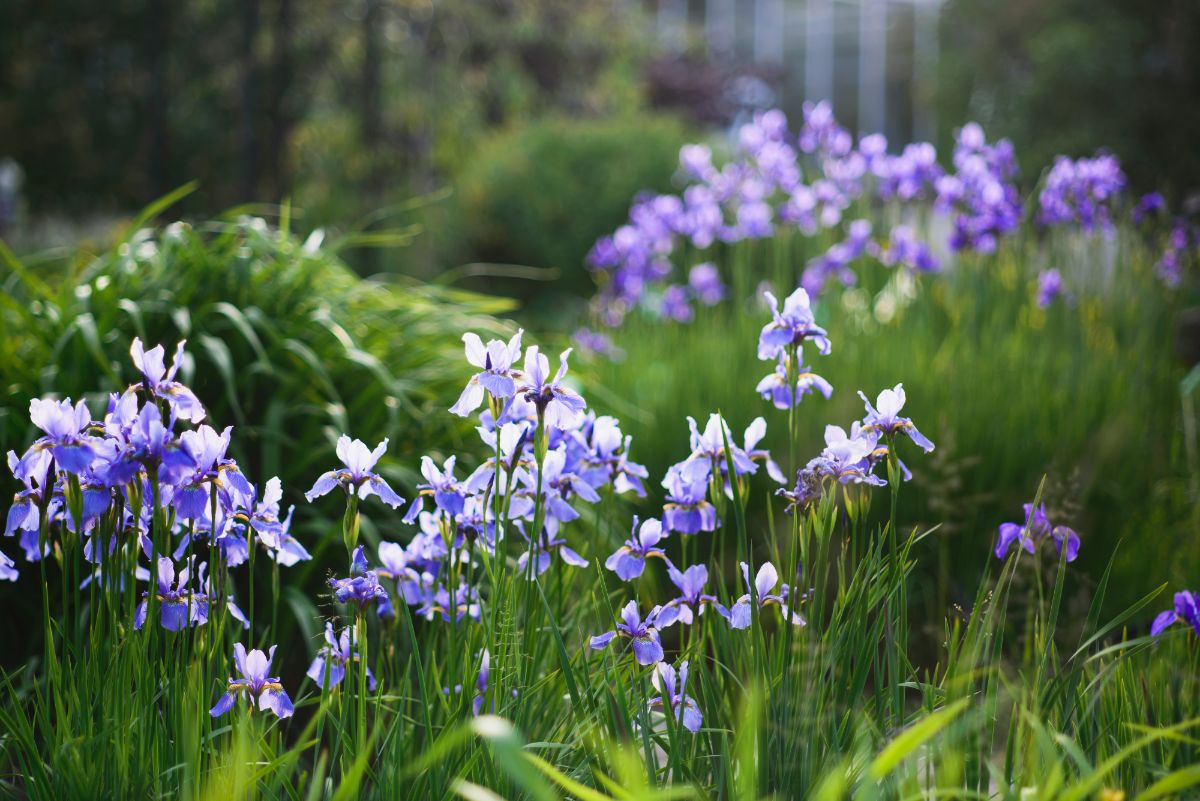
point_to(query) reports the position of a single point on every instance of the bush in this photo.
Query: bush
(541, 195)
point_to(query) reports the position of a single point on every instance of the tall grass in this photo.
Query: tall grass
(1017, 694)
(1086, 391)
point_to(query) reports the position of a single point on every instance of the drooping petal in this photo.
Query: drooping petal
(223, 705)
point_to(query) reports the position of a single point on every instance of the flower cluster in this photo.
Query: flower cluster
(1081, 192)
(809, 182)
(150, 451)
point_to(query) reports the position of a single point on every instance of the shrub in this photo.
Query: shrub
(540, 195)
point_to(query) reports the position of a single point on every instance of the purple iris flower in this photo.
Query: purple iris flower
(790, 327)
(672, 687)
(559, 485)
(356, 476)
(442, 485)
(496, 375)
(606, 459)
(546, 545)
(597, 343)
(481, 681)
(777, 386)
(750, 439)
(362, 587)
(1187, 611)
(406, 565)
(692, 598)
(213, 472)
(739, 615)
(32, 472)
(675, 304)
(560, 405)
(148, 445)
(705, 282)
(65, 428)
(687, 510)
(465, 603)
(235, 611)
(708, 448)
(160, 382)
(8, 571)
(1148, 205)
(335, 655)
(273, 533)
(255, 684)
(1049, 288)
(847, 458)
(175, 600)
(1037, 527)
(629, 561)
(643, 634)
(885, 418)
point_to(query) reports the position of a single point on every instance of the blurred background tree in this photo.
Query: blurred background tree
(352, 108)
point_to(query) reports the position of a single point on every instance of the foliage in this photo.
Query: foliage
(285, 342)
(1045, 74)
(523, 198)
(1086, 391)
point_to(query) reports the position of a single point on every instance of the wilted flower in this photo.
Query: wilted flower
(629, 561)
(160, 382)
(178, 605)
(1187, 610)
(334, 656)
(642, 634)
(558, 404)
(356, 476)
(739, 615)
(806, 491)
(790, 327)
(885, 417)
(497, 375)
(672, 687)
(255, 684)
(1037, 527)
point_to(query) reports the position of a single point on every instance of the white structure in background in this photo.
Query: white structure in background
(877, 60)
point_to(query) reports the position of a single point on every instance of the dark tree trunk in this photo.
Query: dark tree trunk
(282, 111)
(158, 30)
(372, 114)
(249, 99)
